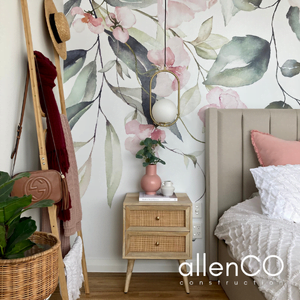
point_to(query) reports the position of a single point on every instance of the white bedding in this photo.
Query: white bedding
(248, 232)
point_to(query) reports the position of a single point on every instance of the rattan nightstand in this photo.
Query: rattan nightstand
(156, 230)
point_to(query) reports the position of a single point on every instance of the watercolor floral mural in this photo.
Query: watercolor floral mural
(211, 66)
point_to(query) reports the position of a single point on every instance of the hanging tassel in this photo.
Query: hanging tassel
(65, 193)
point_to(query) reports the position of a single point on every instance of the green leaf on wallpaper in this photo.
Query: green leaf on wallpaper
(85, 85)
(107, 66)
(113, 162)
(134, 55)
(192, 157)
(204, 31)
(131, 96)
(228, 10)
(290, 68)
(132, 4)
(76, 111)
(133, 115)
(73, 63)
(242, 61)
(145, 39)
(205, 51)
(78, 145)
(294, 21)
(216, 41)
(278, 104)
(174, 129)
(119, 69)
(190, 100)
(125, 69)
(247, 5)
(84, 174)
(67, 9)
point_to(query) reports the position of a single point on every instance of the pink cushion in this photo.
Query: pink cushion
(274, 151)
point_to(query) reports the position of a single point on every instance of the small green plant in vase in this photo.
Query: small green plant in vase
(148, 152)
(150, 182)
(14, 230)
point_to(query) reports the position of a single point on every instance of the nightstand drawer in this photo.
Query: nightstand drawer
(157, 218)
(156, 243)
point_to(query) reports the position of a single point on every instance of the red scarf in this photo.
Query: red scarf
(55, 141)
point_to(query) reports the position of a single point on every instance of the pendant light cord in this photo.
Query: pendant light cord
(165, 35)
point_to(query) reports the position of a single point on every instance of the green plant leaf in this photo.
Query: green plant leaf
(242, 61)
(7, 185)
(18, 250)
(108, 66)
(228, 10)
(9, 206)
(84, 174)
(247, 5)
(290, 68)
(73, 63)
(124, 69)
(22, 232)
(12, 225)
(293, 17)
(78, 145)
(279, 105)
(113, 162)
(76, 111)
(67, 9)
(131, 96)
(190, 100)
(132, 4)
(2, 239)
(85, 85)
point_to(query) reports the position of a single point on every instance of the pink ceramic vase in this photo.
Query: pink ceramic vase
(150, 182)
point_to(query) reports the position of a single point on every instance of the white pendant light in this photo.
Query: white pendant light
(164, 112)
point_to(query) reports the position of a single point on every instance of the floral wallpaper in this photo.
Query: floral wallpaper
(226, 54)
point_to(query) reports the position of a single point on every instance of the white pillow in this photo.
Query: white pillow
(279, 190)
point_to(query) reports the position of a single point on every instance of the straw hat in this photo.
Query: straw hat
(58, 28)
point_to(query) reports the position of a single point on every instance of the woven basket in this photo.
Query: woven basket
(35, 276)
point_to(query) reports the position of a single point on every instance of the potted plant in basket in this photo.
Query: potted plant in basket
(150, 182)
(19, 245)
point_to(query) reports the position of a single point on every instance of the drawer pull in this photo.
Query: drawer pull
(157, 218)
(157, 244)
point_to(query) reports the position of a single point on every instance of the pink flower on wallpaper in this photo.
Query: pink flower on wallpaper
(177, 61)
(94, 24)
(120, 21)
(179, 11)
(141, 132)
(220, 98)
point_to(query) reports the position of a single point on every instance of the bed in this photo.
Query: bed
(229, 157)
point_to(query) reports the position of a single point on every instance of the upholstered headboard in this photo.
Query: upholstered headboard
(230, 155)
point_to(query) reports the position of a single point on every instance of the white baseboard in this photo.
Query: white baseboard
(146, 266)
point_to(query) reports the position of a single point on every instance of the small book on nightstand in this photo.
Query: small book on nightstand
(157, 197)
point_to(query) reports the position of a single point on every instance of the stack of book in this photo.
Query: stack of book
(157, 197)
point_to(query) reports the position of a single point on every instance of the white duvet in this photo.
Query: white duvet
(248, 232)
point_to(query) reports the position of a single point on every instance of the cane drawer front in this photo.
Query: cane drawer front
(156, 217)
(157, 244)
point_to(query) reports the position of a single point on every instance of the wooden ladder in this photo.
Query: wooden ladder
(42, 147)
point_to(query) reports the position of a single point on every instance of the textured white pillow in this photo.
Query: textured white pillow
(279, 190)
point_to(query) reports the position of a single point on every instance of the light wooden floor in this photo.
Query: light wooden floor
(148, 286)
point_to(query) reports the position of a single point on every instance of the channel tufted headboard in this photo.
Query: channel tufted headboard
(230, 155)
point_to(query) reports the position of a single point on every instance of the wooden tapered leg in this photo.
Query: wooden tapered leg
(185, 278)
(128, 274)
(84, 268)
(61, 267)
